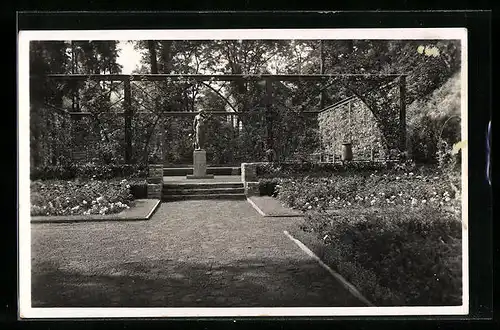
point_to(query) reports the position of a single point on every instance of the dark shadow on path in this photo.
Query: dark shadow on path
(169, 283)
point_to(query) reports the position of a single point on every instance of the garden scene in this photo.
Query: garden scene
(168, 173)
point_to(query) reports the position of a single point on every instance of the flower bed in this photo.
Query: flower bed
(397, 257)
(80, 197)
(354, 190)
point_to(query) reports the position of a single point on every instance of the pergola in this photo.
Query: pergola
(267, 78)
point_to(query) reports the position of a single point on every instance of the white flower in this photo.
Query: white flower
(397, 178)
(414, 201)
(447, 199)
(424, 201)
(309, 207)
(84, 202)
(392, 197)
(410, 174)
(75, 208)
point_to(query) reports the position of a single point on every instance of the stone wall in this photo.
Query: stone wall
(360, 128)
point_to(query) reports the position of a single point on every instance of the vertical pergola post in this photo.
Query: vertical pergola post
(128, 120)
(402, 113)
(269, 114)
(322, 71)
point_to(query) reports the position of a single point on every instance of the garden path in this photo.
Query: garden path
(189, 254)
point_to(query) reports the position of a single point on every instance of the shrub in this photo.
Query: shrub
(88, 171)
(139, 190)
(317, 169)
(267, 187)
(434, 118)
(394, 257)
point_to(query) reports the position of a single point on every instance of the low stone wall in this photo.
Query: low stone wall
(155, 181)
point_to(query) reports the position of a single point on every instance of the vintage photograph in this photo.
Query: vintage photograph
(299, 173)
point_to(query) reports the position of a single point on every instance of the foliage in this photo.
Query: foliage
(434, 120)
(397, 257)
(308, 168)
(267, 187)
(292, 133)
(79, 197)
(88, 171)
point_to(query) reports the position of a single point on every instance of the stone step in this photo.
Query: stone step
(182, 171)
(202, 185)
(206, 191)
(202, 197)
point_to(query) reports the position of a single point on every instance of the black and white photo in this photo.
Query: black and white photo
(243, 173)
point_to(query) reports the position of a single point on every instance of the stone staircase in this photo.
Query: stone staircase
(202, 190)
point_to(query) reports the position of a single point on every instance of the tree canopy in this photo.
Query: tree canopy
(427, 63)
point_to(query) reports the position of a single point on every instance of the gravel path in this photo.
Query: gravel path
(190, 254)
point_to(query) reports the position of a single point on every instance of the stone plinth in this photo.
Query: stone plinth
(155, 181)
(249, 171)
(252, 189)
(200, 166)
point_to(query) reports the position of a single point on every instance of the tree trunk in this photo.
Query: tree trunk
(166, 56)
(152, 56)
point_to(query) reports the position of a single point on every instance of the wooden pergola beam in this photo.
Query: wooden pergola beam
(206, 77)
(179, 113)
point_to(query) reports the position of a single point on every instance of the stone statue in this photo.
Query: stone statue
(199, 125)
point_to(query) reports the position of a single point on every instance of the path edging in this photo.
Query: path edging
(94, 217)
(351, 288)
(259, 210)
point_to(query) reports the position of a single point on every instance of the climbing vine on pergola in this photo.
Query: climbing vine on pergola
(367, 87)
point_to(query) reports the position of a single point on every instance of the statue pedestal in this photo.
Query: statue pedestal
(200, 166)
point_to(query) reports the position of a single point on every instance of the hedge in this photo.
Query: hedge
(89, 171)
(265, 170)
